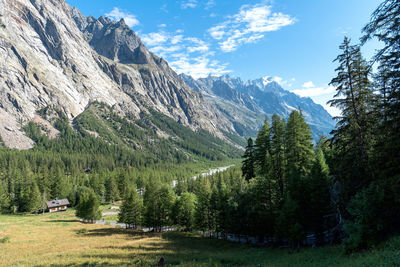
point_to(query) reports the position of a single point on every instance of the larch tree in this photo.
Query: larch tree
(249, 161)
(353, 137)
(132, 209)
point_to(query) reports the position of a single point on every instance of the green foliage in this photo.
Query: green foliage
(82, 231)
(299, 147)
(5, 240)
(287, 223)
(203, 214)
(131, 211)
(112, 191)
(88, 206)
(158, 205)
(366, 224)
(184, 210)
(248, 167)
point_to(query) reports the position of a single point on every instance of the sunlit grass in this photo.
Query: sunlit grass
(61, 240)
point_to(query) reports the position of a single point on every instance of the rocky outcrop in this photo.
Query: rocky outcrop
(52, 55)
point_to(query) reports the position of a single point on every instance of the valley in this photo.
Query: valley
(154, 135)
(61, 240)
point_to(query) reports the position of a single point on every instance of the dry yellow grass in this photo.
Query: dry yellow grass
(54, 239)
(58, 240)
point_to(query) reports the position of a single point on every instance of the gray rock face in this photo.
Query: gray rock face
(52, 55)
(262, 96)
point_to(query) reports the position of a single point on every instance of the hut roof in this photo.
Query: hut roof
(57, 203)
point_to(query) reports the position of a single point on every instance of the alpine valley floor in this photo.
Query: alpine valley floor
(60, 239)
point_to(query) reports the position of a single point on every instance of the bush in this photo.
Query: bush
(5, 240)
(82, 231)
(365, 226)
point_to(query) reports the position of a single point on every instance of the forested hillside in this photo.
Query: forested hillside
(288, 190)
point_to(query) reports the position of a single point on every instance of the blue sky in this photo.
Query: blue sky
(293, 41)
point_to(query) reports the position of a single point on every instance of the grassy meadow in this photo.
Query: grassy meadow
(61, 240)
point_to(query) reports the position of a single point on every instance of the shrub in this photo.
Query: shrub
(82, 231)
(5, 240)
(365, 226)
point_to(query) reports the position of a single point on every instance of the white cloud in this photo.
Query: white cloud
(277, 79)
(210, 4)
(217, 32)
(176, 39)
(118, 14)
(309, 84)
(155, 38)
(248, 26)
(332, 110)
(162, 25)
(198, 67)
(188, 4)
(188, 55)
(312, 91)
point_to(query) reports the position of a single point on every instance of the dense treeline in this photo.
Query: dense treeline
(123, 153)
(283, 190)
(366, 140)
(289, 187)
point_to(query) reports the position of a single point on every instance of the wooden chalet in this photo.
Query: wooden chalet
(57, 205)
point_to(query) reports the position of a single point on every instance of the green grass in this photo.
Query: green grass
(61, 240)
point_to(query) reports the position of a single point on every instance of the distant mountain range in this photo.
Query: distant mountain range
(55, 59)
(246, 103)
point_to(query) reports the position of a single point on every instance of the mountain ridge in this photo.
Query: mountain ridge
(48, 61)
(262, 95)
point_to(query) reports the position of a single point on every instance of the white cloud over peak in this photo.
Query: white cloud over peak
(188, 4)
(320, 94)
(309, 84)
(117, 14)
(248, 25)
(310, 90)
(198, 67)
(155, 38)
(277, 79)
(188, 55)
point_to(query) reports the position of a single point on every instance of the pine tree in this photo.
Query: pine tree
(353, 136)
(88, 206)
(112, 192)
(385, 26)
(132, 209)
(278, 151)
(167, 199)
(203, 212)
(185, 209)
(262, 147)
(4, 199)
(249, 161)
(298, 143)
(318, 190)
(287, 223)
(151, 203)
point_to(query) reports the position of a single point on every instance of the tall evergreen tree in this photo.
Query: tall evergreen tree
(353, 136)
(132, 209)
(385, 26)
(262, 148)
(278, 151)
(112, 192)
(249, 160)
(203, 212)
(88, 206)
(185, 210)
(318, 190)
(299, 147)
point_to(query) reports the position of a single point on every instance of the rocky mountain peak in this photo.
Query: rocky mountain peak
(53, 55)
